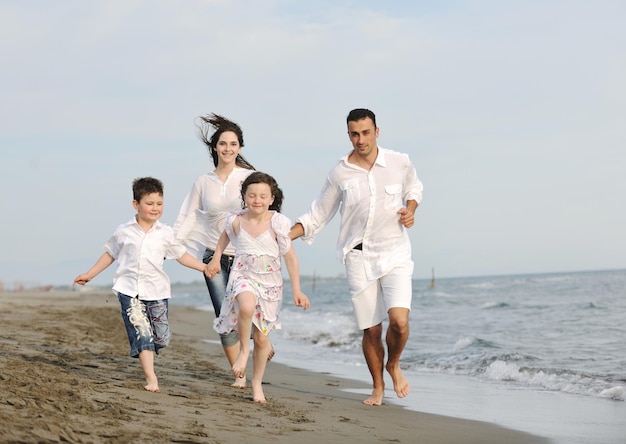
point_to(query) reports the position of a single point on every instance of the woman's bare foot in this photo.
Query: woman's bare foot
(240, 383)
(271, 353)
(152, 386)
(257, 394)
(376, 398)
(400, 384)
(239, 367)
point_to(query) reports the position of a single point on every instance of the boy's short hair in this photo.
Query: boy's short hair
(146, 185)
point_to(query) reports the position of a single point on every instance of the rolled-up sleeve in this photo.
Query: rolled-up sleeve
(413, 186)
(322, 210)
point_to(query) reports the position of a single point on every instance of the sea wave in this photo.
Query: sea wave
(556, 380)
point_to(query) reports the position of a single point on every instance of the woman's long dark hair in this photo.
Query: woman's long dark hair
(219, 125)
(259, 177)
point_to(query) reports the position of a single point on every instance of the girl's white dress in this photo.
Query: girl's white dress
(256, 268)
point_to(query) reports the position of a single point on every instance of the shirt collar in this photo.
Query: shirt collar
(380, 159)
(156, 226)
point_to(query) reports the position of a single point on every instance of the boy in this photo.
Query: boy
(140, 246)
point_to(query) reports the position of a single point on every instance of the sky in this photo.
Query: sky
(511, 111)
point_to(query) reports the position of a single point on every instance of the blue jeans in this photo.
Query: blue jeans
(217, 291)
(146, 324)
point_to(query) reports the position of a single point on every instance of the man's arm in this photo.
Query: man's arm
(407, 215)
(296, 231)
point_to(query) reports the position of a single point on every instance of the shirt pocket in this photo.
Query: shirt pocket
(350, 190)
(393, 197)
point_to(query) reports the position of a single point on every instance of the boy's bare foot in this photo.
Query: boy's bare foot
(400, 384)
(152, 386)
(257, 394)
(376, 398)
(240, 383)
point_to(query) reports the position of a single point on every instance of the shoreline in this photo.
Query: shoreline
(66, 375)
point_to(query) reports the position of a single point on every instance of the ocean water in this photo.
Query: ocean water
(521, 336)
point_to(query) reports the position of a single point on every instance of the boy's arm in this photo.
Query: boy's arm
(189, 261)
(293, 268)
(102, 263)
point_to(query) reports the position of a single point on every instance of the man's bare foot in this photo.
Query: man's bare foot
(376, 398)
(240, 383)
(239, 367)
(400, 384)
(257, 394)
(152, 386)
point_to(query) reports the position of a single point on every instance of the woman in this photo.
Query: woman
(201, 218)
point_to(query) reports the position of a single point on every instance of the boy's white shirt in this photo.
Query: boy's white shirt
(140, 256)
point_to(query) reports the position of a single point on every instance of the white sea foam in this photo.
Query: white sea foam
(618, 393)
(463, 343)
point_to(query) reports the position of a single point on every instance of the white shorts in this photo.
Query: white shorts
(371, 300)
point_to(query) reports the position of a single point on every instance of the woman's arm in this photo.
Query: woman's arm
(214, 267)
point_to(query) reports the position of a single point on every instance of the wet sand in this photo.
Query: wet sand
(66, 376)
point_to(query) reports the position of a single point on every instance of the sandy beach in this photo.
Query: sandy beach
(65, 376)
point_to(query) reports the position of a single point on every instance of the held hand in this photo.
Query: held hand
(301, 300)
(211, 269)
(81, 280)
(407, 218)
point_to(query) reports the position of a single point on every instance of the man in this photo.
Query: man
(377, 192)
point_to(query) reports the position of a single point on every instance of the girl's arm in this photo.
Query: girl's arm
(101, 264)
(214, 267)
(293, 268)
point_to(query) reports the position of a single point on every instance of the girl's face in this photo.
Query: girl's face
(149, 208)
(227, 147)
(258, 198)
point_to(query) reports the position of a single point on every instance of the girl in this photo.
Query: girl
(260, 235)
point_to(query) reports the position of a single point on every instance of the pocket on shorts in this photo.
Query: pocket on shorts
(351, 193)
(393, 197)
(160, 323)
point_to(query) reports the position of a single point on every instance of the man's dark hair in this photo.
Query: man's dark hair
(360, 113)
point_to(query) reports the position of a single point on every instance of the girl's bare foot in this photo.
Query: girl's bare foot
(239, 367)
(257, 394)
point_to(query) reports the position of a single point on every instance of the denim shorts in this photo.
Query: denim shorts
(217, 291)
(146, 324)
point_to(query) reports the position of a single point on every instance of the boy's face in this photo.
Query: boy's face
(149, 208)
